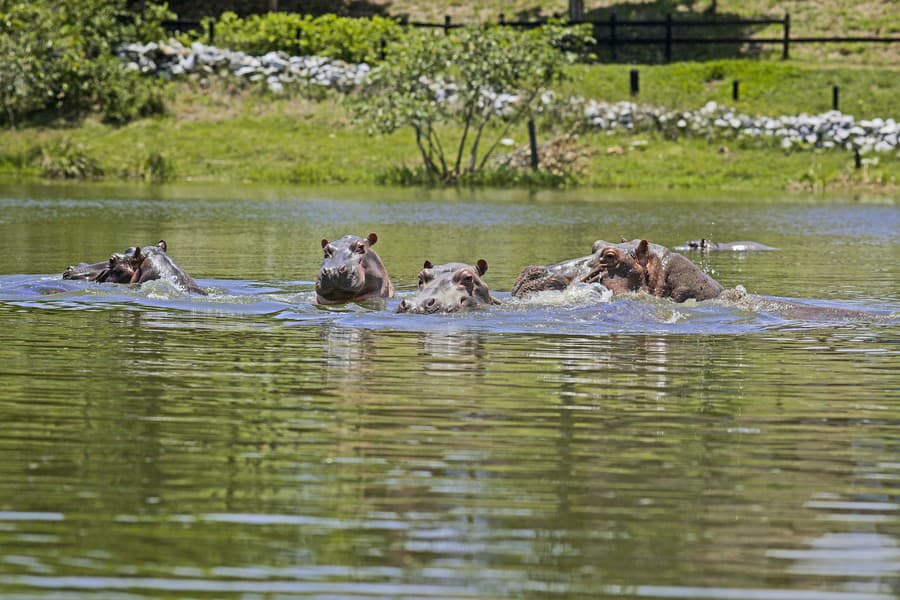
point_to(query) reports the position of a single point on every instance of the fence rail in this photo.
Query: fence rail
(614, 38)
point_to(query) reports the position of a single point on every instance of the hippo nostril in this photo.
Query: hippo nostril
(430, 302)
(404, 306)
(343, 270)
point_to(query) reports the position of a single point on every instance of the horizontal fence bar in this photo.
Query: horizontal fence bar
(881, 40)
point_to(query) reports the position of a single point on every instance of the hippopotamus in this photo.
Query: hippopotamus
(625, 267)
(449, 288)
(116, 269)
(351, 271)
(636, 266)
(704, 245)
(136, 265)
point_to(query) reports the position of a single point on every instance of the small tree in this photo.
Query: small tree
(450, 88)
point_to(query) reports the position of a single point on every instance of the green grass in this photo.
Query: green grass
(228, 135)
(766, 88)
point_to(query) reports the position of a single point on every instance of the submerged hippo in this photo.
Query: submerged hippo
(637, 267)
(704, 245)
(625, 267)
(136, 265)
(449, 288)
(116, 269)
(352, 271)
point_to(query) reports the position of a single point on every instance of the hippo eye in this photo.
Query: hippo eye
(328, 251)
(424, 277)
(360, 248)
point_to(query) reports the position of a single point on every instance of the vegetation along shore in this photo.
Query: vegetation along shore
(367, 100)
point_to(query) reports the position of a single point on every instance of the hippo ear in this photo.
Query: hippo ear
(642, 249)
(622, 239)
(137, 258)
(427, 265)
(161, 244)
(481, 266)
(372, 239)
(324, 242)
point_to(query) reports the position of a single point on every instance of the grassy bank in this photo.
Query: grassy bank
(228, 134)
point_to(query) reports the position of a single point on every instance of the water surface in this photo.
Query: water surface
(250, 444)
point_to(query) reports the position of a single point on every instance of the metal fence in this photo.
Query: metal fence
(614, 33)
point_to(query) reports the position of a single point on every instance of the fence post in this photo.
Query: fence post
(532, 140)
(835, 97)
(668, 37)
(211, 31)
(612, 35)
(634, 82)
(735, 90)
(446, 24)
(502, 19)
(785, 50)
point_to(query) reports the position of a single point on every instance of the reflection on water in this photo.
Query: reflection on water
(252, 444)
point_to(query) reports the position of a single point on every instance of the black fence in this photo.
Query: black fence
(614, 34)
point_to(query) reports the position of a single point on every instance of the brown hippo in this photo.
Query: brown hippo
(449, 288)
(136, 265)
(655, 270)
(703, 245)
(116, 269)
(352, 271)
(625, 267)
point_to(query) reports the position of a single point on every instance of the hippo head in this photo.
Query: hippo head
(450, 288)
(535, 278)
(119, 268)
(700, 245)
(86, 271)
(622, 269)
(351, 271)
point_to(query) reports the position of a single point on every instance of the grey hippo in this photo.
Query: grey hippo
(450, 288)
(703, 245)
(351, 271)
(136, 265)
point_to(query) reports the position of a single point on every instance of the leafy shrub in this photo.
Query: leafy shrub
(155, 167)
(349, 39)
(67, 160)
(475, 77)
(57, 56)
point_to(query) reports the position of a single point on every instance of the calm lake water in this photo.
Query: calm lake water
(248, 444)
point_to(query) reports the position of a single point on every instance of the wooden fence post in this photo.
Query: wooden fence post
(835, 97)
(446, 24)
(502, 19)
(786, 48)
(211, 30)
(668, 37)
(532, 140)
(735, 90)
(612, 35)
(635, 84)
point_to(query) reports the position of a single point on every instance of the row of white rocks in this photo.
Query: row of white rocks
(172, 59)
(831, 129)
(827, 130)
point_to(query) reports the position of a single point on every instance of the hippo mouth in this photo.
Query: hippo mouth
(432, 306)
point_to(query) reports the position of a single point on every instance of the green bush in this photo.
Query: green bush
(348, 39)
(67, 160)
(58, 57)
